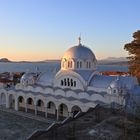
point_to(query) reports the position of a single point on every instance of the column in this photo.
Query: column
(69, 114)
(16, 104)
(57, 115)
(25, 107)
(35, 110)
(7, 102)
(46, 112)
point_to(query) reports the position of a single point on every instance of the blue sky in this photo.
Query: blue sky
(45, 29)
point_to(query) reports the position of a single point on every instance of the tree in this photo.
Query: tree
(133, 49)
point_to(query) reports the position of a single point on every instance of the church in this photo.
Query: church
(76, 87)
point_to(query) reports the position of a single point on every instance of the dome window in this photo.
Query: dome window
(68, 64)
(74, 84)
(71, 81)
(62, 83)
(68, 82)
(71, 64)
(65, 83)
(88, 65)
(80, 64)
(77, 64)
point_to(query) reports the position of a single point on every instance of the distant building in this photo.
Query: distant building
(77, 86)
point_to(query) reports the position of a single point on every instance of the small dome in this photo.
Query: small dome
(116, 84)
(79, 52)
(46, 78)
(27, 79)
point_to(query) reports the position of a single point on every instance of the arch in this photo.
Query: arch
(63, 111)
(75, 109)
(51, 109)
(11, 101)
(40, 107)
(21, 103)
(3, 99)
(30, 105)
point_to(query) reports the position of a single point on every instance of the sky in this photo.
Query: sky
(44, 29)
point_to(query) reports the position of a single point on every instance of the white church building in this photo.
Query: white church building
(77, 86)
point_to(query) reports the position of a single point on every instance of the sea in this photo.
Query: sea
(49, 66)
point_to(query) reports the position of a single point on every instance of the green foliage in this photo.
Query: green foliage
(133, 49)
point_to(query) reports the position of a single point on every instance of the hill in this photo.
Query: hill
(5, 60)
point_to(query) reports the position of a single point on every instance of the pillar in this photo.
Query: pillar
(57, 114)
(16, 104)
(35, 110)
(7, 102)
(46, 112)
(25, 107)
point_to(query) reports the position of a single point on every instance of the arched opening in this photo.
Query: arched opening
(51, 110)
(11, 101)
(3, 99)
(75, 110)
(40, 108)
(30, 105)
(62, 111)
(21, 103)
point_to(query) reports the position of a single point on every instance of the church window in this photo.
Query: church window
(89, 65)
(77, 64)
(62, 83)
(68, 81)
(71, 82)
(65, 83)
(68, 64)
(71, 64)
(80, 64)
(74, 83)
(114, 91)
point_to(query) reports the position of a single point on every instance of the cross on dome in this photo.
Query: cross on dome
(79, 39)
